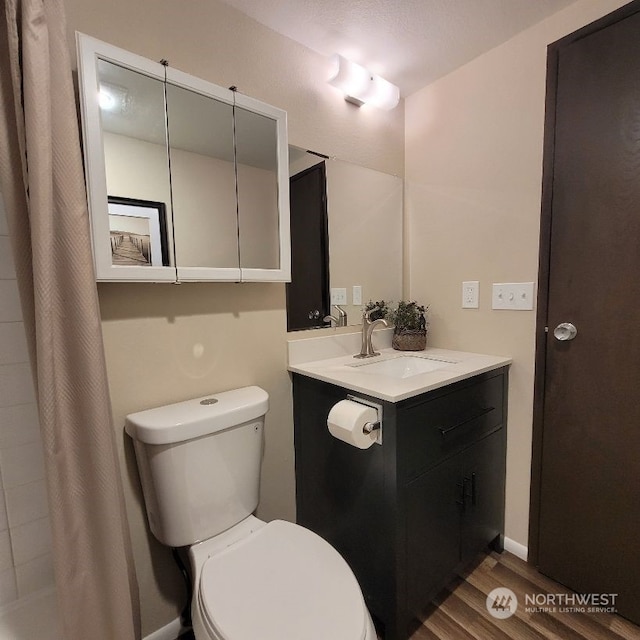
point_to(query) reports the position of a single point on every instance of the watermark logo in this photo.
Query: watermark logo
(570, 602)
(502, 603)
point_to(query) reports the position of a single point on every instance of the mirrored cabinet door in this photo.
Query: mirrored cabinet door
(125, 140)
(262, 162)
(257, 166)
(132, 112)
(203, 183)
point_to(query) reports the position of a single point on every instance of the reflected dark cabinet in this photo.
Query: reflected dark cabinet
(406, 515)
(308, 292)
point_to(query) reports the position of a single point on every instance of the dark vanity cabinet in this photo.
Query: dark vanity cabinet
(410, 513)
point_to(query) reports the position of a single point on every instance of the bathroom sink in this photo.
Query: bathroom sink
(403, 366)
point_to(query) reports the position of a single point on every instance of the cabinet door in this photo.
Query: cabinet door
(434, 510)
(484, 484)
(203, 178)
(262, 169)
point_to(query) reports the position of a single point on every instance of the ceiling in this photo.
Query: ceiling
(409, 42)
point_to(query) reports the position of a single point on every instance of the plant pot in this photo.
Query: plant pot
(409, 339)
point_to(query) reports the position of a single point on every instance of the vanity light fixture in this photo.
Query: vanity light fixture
(360, 86)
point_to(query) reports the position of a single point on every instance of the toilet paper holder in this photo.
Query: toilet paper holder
(370, 427)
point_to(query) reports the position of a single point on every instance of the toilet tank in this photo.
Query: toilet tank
(199, 463)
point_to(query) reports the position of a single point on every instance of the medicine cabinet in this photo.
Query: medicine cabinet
(186, 180)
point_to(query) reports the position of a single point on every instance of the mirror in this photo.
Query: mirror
(362, 235)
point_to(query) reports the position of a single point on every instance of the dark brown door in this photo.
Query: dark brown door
(308, 291)
(589, 406)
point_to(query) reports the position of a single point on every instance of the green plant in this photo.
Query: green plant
(379, 309)
(408, 316)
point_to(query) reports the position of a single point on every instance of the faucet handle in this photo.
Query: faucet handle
(342, 316)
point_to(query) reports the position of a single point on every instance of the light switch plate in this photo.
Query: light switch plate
(517, 296)
(356, 297)
(470, 294)
(338, 295)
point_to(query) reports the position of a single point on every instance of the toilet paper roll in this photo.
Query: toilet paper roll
(346, 422)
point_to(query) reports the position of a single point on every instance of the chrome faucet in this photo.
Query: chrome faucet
(367, 350)
(341, 320)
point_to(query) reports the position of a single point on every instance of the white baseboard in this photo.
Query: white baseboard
(516, 548)
(169, 632)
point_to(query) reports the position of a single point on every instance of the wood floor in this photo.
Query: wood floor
(460, 612)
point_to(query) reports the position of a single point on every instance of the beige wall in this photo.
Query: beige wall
(365, 233)
(473, 184)
(136, 169)
(166, 343)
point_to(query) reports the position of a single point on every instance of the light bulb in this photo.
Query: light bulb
(106, 100)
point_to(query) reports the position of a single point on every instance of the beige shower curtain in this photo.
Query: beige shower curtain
(42, 184)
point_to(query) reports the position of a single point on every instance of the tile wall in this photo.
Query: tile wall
(25, 538)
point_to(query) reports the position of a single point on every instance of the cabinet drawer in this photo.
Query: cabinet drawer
(435, 429)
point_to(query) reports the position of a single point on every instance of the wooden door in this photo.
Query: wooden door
(586, 491)
(308, 291)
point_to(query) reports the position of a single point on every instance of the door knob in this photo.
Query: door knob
(565, 331)
(314, 314)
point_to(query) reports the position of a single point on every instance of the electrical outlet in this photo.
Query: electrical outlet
(356, 297)
(517, 296)
(338, 295)
(470, 294)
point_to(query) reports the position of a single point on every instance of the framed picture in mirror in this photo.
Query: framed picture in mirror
(138, 232)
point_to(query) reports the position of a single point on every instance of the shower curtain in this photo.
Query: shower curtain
(41, 180)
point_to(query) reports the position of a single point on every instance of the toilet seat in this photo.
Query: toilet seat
(281, 582)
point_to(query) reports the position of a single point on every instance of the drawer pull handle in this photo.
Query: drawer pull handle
(444, 432)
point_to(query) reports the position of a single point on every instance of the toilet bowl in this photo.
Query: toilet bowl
(199, 465)
(276, 581)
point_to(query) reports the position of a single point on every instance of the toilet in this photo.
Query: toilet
(199, 464)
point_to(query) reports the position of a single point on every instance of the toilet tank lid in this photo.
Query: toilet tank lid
(198, 417)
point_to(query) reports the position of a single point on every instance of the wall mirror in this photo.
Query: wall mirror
(346, 231)
(199, 174)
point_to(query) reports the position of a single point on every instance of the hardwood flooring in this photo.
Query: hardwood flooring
(460, 613)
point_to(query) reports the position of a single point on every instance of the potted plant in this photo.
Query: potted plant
(410, 326)
(379, 310)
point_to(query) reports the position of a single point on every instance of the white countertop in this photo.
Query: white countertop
(351, 373)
